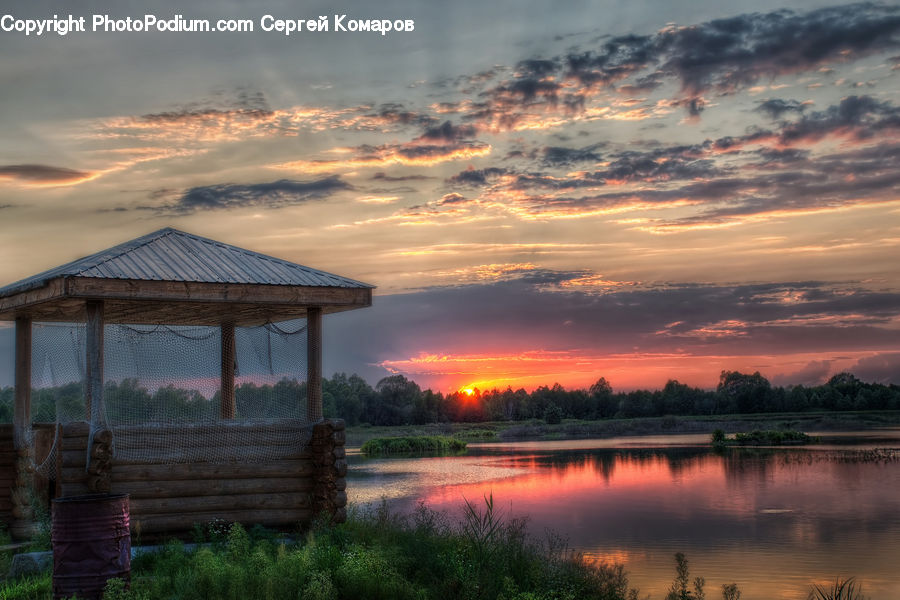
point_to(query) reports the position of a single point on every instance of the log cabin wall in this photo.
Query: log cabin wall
(20, 486)
(8, 471)
(168, 499)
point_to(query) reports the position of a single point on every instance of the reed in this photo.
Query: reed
(432, 444)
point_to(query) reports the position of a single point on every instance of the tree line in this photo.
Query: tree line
(396, 400)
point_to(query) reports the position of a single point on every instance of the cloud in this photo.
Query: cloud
(393, 113)
(717, 57)
(728, 54)
(453, 198)
(276, 194)
(761, 175)
(527, 307)
(382, 176)
(815, 372)
(412, 153)
(855, 117)
(34, 174)
(559, 156)
(776, 107)
(477, 177)
(880, 368)
(448, 132)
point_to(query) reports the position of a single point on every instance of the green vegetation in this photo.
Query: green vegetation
(843, 589)
(758, 437)
(421, 444)
(380, 555)
(680, 586)
(476, 433)
(396, 400)
(376, 555)
(27, 588)
(773, 438)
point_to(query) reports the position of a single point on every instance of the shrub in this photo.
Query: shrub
(553, 414)
(409, 444)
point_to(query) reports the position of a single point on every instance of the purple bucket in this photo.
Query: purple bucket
(91, 543)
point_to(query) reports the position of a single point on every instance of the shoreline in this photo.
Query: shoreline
(536, 429)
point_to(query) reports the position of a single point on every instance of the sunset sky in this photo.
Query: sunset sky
(637, 190)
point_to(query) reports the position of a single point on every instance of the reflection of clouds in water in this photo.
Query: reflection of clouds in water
(392, 478)
(772, 520)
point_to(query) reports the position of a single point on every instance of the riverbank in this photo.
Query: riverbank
(536, 429)
(376, 555)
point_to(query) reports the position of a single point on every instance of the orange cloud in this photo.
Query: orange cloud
(33, 175)
(392, 154)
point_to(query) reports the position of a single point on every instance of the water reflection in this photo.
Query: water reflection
(772, 520)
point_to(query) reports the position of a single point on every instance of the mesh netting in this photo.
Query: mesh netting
(163, 399)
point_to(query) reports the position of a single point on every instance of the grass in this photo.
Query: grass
(27, 588)
(581, 428)
(759, 437)
(419, 444)
(772, 437)
(379, 555)
(842, 589)
(374, 555)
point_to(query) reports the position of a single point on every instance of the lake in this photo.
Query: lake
(773, 520)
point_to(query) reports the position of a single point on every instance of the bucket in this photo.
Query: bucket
(91, 543)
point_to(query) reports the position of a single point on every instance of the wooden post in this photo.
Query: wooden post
(21, 526)
(226, 409)
(22, 411)
(94, 361)
(314, 363)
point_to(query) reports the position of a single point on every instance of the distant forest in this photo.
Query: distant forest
(396, 400)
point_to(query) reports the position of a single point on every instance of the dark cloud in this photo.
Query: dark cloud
(666, 165)
(720, 57)
(283, 192)
(559, 156)
(526, 90)
(856, 117)
(659, 165)
(477, 177)
(617, 59)
(775, 107)
(42, 174)
(381, 176)
(447, 131)
(435, 151)
(241, 103)
(536, 67)
(644, 84)
(452, 198)
(395, 113)
(727, 54)
(772, 178)
(859, 117)
(780, 158)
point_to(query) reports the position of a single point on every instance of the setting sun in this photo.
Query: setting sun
(468, 391)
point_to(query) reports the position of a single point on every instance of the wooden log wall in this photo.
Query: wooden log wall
(8, 471)
(20, 486)
(330, 460)
(168, 499)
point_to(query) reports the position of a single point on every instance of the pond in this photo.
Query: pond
(773, 520)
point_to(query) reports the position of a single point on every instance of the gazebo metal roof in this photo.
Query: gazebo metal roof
(170, 276)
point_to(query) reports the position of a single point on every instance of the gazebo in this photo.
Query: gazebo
(175, 278)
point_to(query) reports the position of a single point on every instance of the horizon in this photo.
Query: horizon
(541, 194)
